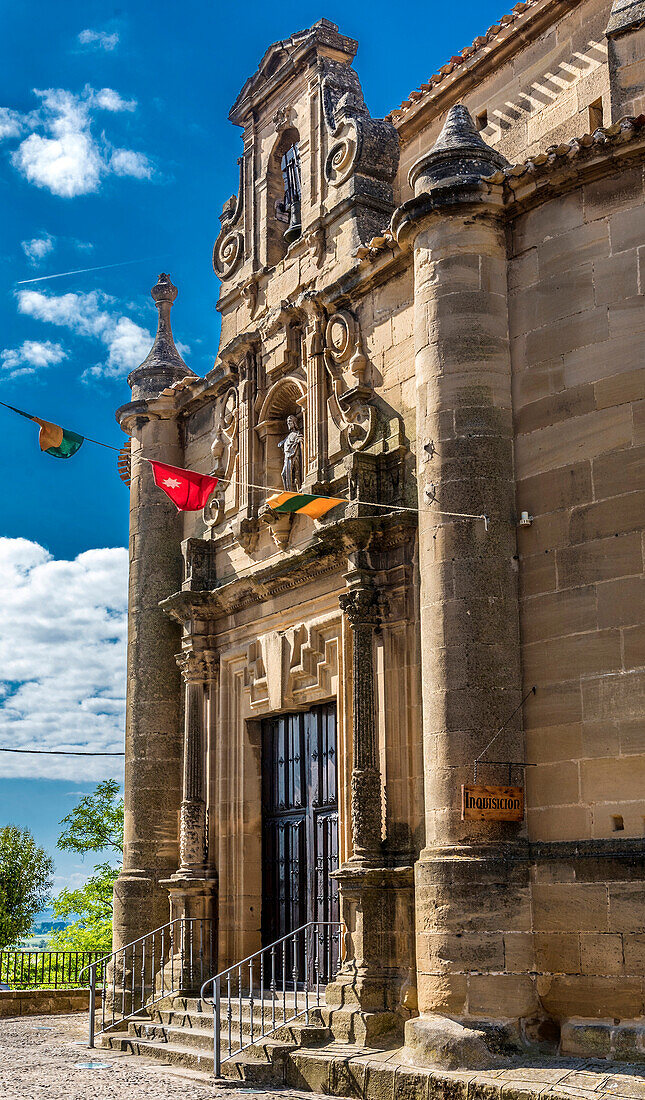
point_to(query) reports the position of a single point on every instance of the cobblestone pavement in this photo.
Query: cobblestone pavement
(37, 1064)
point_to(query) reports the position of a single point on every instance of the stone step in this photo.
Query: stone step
(179, 1002)
(198, 1032)
(263, 1064)
(184, 1017)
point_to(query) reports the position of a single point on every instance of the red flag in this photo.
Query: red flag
(187, 490)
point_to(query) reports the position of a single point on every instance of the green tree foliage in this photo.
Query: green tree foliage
(94, 825)
(25, 881)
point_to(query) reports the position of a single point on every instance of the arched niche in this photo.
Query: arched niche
(286, 397)
(276, 244)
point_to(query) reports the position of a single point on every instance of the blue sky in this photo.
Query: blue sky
(115, 147)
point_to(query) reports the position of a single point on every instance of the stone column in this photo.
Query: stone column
(360, 604)
(376, 899)
(471, 881)
(153, 749)
(193, 887)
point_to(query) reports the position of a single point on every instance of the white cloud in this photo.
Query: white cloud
(11, 123)
(62, 659)
(31, 356)
(100, 40)
(125, 162)
(94, 315)
(106, 99)
(62, 155)
(38, 247)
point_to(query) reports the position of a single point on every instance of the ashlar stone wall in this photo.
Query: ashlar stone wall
(577, 321)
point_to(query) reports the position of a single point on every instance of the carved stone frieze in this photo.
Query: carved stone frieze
(360, 604)
(192, 833)
(228, 251)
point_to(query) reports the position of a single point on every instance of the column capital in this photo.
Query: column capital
(361, 603)
(198, 666)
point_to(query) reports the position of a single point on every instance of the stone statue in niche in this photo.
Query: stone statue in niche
(292, 449)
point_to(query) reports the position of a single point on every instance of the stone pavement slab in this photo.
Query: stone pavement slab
(42, 1065)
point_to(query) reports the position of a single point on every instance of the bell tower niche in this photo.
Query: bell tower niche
(284, 191)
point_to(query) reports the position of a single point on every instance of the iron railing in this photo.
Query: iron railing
(45, 969)
(171, 959)
(281, 982)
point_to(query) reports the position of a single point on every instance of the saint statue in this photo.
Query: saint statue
(292, 445)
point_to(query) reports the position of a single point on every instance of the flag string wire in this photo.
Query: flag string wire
(86, 438)
(391, 508)
(61, 752)
(369, 503)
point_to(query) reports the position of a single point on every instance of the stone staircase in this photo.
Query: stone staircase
(179, 1031)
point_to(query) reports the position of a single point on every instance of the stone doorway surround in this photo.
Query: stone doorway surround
(277, 672)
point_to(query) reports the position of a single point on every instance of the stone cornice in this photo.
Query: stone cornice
(563, 167)
(328, 553)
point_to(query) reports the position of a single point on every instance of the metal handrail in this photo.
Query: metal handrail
(135, 967)
(302, 959)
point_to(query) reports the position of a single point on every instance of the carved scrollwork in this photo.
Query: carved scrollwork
(283, 118)
(360, 143)
(350, 407)
(228, 251)
(250, 293)
(339, 164)
(224, 445)
(315, 239)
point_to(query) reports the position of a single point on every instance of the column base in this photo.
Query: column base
(140, 905)
(374, 990)
(433, 1040)
(475, 955)
(193, 901)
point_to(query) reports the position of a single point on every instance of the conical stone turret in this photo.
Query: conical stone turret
(163, 365)
(459, 155)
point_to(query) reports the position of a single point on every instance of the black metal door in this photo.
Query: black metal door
(300, 831)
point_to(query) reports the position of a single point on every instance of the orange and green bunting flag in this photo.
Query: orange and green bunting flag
(54, 440)
(305, 504)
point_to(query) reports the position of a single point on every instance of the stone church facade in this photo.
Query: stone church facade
(449, 304)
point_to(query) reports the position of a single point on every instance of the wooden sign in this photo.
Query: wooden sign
(491, 803)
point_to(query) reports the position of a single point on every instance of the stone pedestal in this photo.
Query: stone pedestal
(374, 991)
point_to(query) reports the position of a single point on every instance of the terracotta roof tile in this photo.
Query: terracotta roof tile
(466, 54)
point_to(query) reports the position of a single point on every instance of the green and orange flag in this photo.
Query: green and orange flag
(54, 440)
(304, 504)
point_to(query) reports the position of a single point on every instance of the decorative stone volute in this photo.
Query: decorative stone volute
(163, 365)
(459, 155)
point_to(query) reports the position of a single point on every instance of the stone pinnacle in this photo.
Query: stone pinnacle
(459, 153)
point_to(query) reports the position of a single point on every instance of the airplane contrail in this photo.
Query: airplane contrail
(79, 271)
